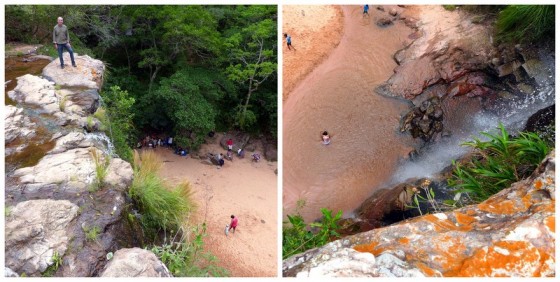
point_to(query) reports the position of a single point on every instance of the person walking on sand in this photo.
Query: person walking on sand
(366, 9)
(61, 40)
(289, 41)
(233, 223)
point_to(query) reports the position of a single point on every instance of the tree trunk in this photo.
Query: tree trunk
(247, 100)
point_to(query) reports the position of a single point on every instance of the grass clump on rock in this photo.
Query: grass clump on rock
(497, 163)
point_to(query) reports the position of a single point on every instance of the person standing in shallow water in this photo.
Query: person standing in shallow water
(61, 40)
(326, 138)
(366, 9)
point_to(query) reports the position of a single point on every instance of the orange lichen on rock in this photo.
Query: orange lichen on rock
(504, 258)
(443, 225)
(527, 200)
(550, 222)
(464, 219)
(498, 206)
(404, 240)
(450, 251)
(369, 248)
(428, 271)
(537, 184)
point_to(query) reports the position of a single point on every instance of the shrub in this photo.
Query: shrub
(526, 23)
(163, 208)
(300, 236)
(498, 163)
(187, 257)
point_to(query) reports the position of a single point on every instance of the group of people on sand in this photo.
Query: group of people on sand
(230, 152)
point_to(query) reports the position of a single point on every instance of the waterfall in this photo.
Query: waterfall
(102, 142)
(511, 113)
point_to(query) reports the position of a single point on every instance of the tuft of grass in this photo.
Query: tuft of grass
(90, 124)
(526, 23)
(498, 162)
(163, 207)
(7, 211)
(92, 233)
(62, 104)
(101, 115)
(101, 165)
(56, 262)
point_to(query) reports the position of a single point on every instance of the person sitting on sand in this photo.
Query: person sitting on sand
(220, 159)
(241, 153)
(256, 157)
(326, 138)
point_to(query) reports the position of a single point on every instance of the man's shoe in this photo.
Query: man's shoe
(74, 65)
(61, 66)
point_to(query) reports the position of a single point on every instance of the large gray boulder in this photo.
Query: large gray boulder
(135, 262)
(74, 167)
(36, 91)
(35, 230)
(119, 174)
(16, 124)
(88, 73)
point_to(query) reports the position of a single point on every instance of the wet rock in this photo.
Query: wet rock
(380, 8)
(88, 74)
(17, 125)
(384, 22)
(425, 120)
(36, 91)
(508, 68)
(511, 234)
(525, 88)
(35, 230)
(537, 70)
(542, 123)
(393, 12)
(119, 174)
(135, 262)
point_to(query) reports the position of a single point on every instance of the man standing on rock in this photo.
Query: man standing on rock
(61, 40)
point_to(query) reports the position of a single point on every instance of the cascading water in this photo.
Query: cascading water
(102, 142)
(511, 113)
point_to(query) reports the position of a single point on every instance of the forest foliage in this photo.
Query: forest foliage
(188, 69)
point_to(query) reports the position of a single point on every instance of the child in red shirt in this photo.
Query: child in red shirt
(233, 223)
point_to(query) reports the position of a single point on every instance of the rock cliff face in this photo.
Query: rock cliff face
(56, 206)
(510, 234)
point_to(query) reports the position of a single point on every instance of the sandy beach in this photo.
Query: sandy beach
(243, 188)
(315, 30)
